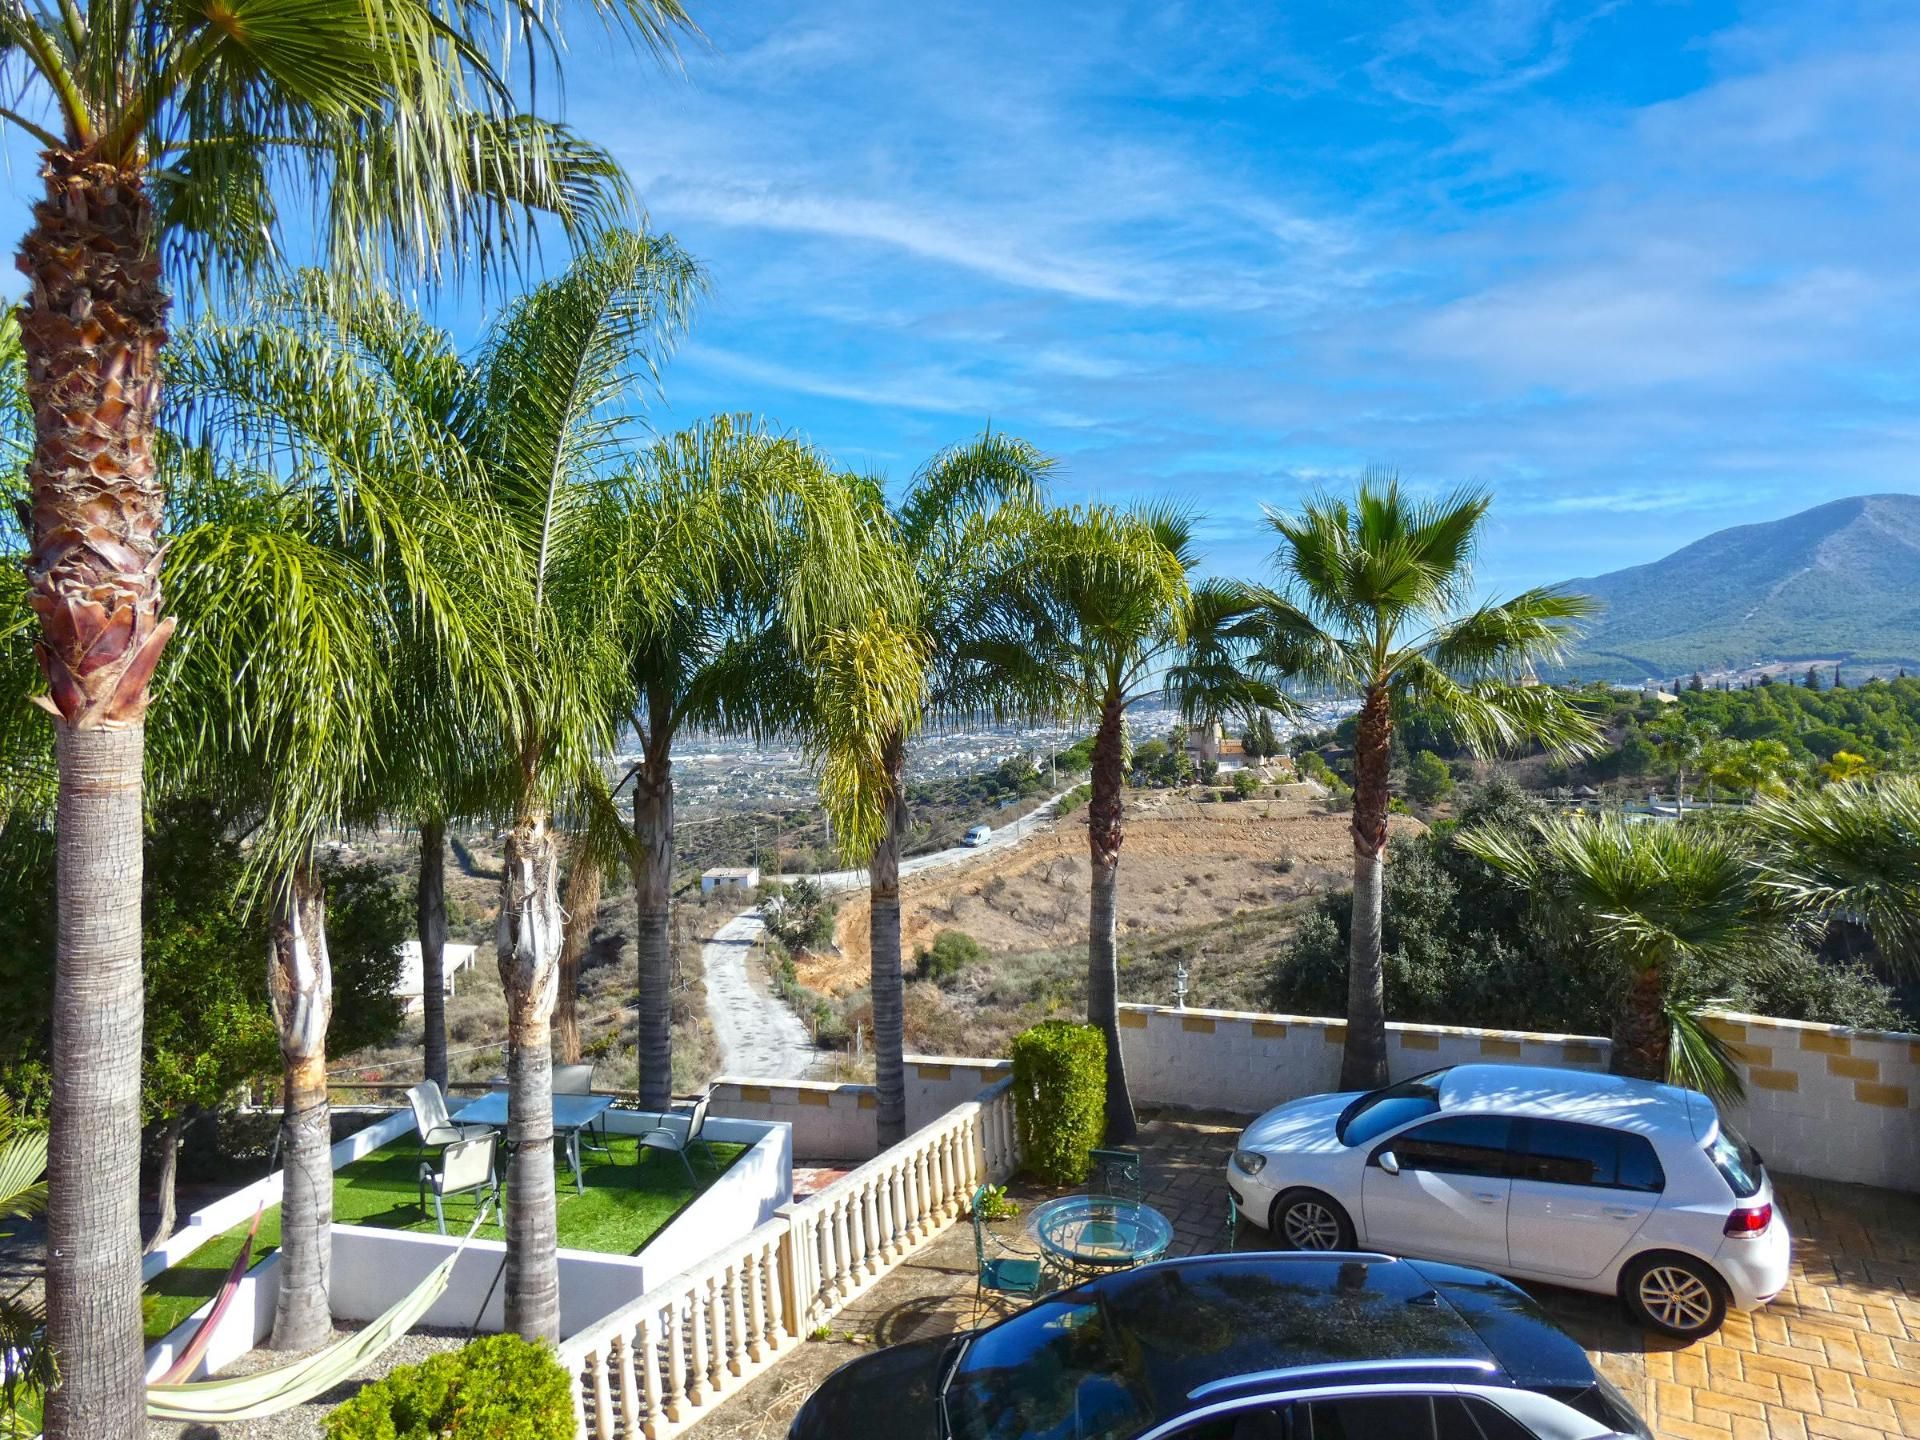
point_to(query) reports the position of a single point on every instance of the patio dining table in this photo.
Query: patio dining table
(571, 1115)
(1092, 1234)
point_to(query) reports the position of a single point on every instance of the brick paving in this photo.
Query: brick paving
(1835, 1357)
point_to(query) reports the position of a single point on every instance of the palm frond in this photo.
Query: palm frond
(1849, 851)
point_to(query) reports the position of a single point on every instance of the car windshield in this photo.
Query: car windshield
(1379, 1111)
(1737, 1161)
(1059, 1370)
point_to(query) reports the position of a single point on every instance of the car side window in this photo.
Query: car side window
(1489, 1422)
(1563, 1154)
(1640, 1167)
(1372, 1417)
(1284, 1421)
(1455, 1145)
(1559, 1152)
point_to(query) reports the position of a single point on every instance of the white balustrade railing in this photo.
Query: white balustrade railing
(654, 1367)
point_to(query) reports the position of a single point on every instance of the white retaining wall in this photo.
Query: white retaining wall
(1821, 1100)
(837, 1122)
(372, 1267)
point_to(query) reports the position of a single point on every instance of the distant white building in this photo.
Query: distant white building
(730, 877)
(410, 987)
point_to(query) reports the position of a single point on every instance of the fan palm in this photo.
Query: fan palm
(787, 551)
(1112, 620)
(1658, 898)
(1850, 850)
(27, 1366)
(178, 131)
(1374, 601)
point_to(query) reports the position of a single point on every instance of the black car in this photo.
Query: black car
(1240, 1347)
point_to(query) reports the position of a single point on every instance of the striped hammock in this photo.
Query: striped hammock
(268, 1392)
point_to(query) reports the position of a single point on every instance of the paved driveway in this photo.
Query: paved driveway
(1836, 1357)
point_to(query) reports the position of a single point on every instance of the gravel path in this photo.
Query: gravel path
(308, 1422)
(759, 1034)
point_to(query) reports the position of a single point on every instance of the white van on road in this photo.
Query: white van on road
(978, 835)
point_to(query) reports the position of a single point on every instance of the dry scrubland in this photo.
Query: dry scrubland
(476, 1012)
(1216, 885)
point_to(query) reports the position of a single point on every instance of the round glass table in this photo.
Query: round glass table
(1084, 1234)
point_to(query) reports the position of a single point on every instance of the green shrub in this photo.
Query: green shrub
(1428, 778)
(1060, 1098)
(1246, 784)
(951, 952)
(499, 1388)
(1075, 798)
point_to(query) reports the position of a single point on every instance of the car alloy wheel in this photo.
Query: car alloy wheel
(1307, 1224)
(1677, 1298)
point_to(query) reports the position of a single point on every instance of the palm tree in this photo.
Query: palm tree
(1682, 744)
(953, 529)
(1658, 898)
(524, 435)
(1110, 615)
(178, 132)
(726, 652)
(1851, 851)
(1754, 768)
(27, 1364)
(1374, 600)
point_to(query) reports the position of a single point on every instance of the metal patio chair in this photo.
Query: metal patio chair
(666, 1137)
(466, 1166)
(431, 1120)
(1013, 1272)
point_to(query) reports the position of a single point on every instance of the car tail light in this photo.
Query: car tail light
(1745, 1224)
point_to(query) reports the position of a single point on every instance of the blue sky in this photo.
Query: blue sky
(1643, 268)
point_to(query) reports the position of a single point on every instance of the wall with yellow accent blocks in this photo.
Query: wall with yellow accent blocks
(1821, 1101)
(1234, 1060)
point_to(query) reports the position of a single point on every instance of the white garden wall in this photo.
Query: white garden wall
(1823, 1101)
(373, 1267)
(837, 1122)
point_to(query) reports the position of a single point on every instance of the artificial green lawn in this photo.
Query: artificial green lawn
(625, 1205)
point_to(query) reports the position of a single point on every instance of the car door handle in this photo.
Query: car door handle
(1621, 1212)
(1486, 1198)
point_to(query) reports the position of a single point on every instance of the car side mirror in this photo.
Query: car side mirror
(1389, 1162)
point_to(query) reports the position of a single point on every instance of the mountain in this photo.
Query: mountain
(1839, 581)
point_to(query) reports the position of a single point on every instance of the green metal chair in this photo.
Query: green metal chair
(1013, 1273)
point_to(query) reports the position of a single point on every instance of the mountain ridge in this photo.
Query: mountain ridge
(1838, 581)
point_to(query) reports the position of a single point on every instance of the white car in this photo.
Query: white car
(1596, 1182)
(978, 835)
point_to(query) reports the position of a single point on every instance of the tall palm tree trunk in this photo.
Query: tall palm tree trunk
(530, 933)
(1641, 1032)
(583, 908)
(92, 325)
(300, 983)
(430, 912)
(1103, 973)
(653, 918)
(93, 1159)
(1363, 1064)
(883, 942)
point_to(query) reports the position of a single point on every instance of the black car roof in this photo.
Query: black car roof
(1202, 1322)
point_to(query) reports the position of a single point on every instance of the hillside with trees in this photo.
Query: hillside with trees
(1837, 580)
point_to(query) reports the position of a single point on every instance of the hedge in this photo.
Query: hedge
(499, 1388)
(1060, 1098)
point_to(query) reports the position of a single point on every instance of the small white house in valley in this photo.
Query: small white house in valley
(730, 877)
(410, 987)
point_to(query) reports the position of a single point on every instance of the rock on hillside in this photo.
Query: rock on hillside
(1839, 580)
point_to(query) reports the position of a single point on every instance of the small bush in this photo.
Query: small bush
(951, 952)
(1060, 1098)
(499, 1388)
(993, 1204)
(1428, 778)
(1075, 798)
(1246, 785)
